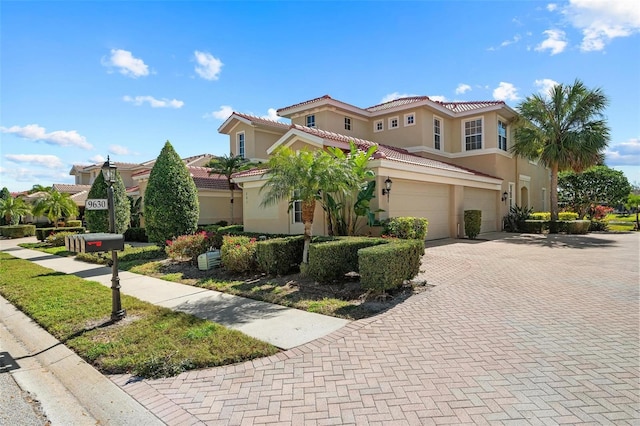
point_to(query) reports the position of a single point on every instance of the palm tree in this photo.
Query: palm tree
(564, 131)
(12, 209)
(39, 188)
(303, 176)
(227, 165)
(55, 205)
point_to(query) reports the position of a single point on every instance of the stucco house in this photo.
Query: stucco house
(442, 157)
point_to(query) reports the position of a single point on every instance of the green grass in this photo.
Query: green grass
(150, 342)
(621, 223)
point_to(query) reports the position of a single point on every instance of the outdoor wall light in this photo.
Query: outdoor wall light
(505, 195)
(387, 188)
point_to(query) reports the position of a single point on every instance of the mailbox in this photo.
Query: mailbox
(94, 242)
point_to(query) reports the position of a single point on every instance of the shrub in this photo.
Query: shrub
(73, 223)
(221, 223)
(517, 215)
(331, 260)
(534, 226)
(98, 220)
(136, 234)
(566, 216)
(406, 228)
(43, 233)
(385, 267)
(238, 253)
(580, 226)
(472, 223)
(599, 212)
(57, 238)
(540, 216)
(217, 238)
(188, 247)
(596, 226)
(17, 231)
(280, 256)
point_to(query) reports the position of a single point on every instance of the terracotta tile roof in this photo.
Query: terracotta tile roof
(469, 106)
(260, 120)
(304, 103)
(80, 197)
(203, 180)
(70, 189)
(251, 172)
(397, 102)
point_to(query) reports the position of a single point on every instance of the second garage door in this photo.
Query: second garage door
(428, 200)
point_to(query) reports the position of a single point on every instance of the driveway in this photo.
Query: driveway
(521, 329)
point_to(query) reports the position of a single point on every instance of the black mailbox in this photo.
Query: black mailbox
(72, 242)
(99, 241)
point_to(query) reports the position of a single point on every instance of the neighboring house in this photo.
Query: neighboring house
(443, 158)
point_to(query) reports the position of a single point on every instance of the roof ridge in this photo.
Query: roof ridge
(304, 102)
(404, 98)
(251, 117)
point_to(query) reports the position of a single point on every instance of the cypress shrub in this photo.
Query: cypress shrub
(98, 220)
(472, 223)
(171, 206)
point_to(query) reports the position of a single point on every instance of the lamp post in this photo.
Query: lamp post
(109, 172)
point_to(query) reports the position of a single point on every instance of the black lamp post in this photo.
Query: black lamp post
(109, 172)
(387, 188)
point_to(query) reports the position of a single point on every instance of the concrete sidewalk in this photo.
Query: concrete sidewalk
(283, 327)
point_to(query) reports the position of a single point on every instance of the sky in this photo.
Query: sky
(83, 80)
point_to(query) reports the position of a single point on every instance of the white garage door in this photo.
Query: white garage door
(485, 200)
(422, 200)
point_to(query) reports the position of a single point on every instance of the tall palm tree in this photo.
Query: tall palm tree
(39, 188)
(55, 205)
(303, 176)
(227, 165)
(564, 131)
(11, 209)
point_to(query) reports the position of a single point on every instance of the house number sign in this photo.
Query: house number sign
(96, 204)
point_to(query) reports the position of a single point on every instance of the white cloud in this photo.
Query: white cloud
(505, 92)
(272, 115)
(119, 150)
(153, 102)
(395, 95)
(48, 161)
(545, 85)
(208, 67)
(462, 88)
(438, 98)
(59, 137)
(603, 20)
(222, 114)
(97, 159)
(31, 176)
(555, 42)
(516, 38)
(551, 7)
(624, 153)
(127, 64)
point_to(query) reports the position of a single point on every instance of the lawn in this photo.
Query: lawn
(150, 342)
(621, 223)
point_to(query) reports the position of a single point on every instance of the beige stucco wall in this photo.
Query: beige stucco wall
(215, 206)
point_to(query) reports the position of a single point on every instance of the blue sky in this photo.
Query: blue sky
(83, 80)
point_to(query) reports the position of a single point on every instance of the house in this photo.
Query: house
(442, 158)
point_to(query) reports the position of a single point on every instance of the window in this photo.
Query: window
(311, 121)
(409, 119)
(502, 135)
(378, 126)
(297, 208)
(473, 134)
(437, 133)
(347, 123)
(393, 123)
(240, 137)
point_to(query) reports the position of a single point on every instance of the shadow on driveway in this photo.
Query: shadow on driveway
(539, 240)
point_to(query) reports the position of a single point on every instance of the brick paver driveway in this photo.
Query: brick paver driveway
(519, 329)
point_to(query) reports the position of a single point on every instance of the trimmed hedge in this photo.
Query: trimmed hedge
(472, 223)
(533, 226)
(332, 260)
(43, 233)
(136, 234)
(18, 231)
(562, 216)
(578, 226)
(540, 216)
(384, 267)
(73, 223)
(407, 228)
(280, 256)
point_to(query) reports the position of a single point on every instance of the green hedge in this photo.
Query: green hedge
(136, 234)
(407, 228)
(540, 216)
(533, 226)
(472, 223)
(280, 256)
(43, 233)
(387, 266)
(73, 223)
(578, 227)
(18, 231)
(566, 216)
(332, 260)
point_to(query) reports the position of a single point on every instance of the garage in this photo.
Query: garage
(420, 199)
(484, 200)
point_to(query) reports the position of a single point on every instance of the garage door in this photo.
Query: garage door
(485, 200)
(422, 200)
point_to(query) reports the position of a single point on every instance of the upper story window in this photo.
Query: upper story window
(378, 126)
(409, 119)
(347, 123)
(311, 120)
(502, 135)
(240, 137)
(437, 133)
(393, 123)
(473, 134)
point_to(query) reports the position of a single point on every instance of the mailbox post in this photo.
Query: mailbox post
(109, 173)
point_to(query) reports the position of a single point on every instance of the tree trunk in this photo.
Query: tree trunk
(553, 194)
(231, 208)
(308, 208)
